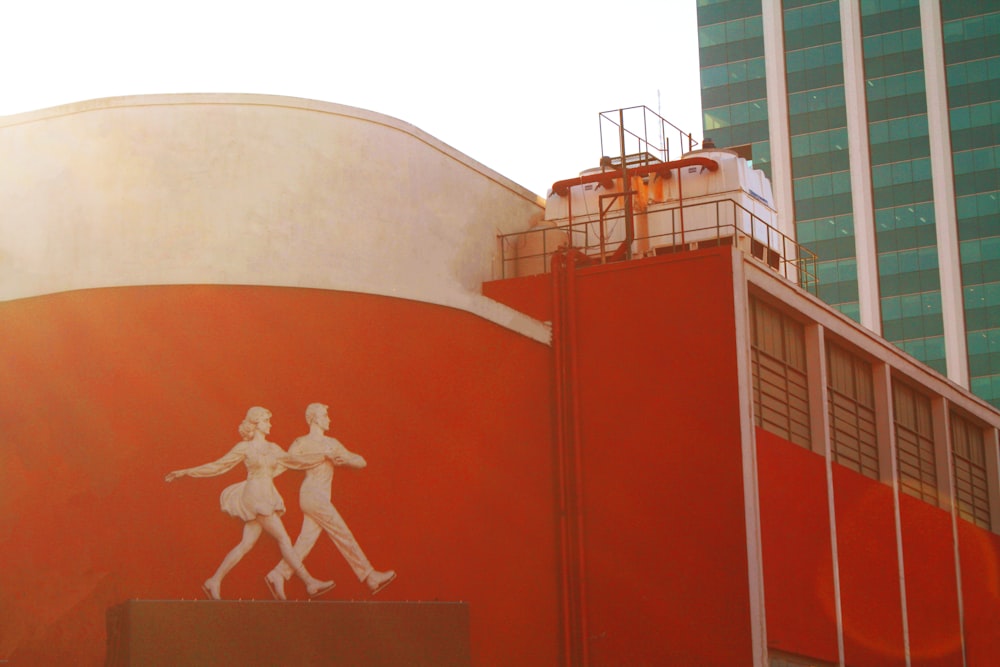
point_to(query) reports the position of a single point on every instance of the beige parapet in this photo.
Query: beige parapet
(249, 189)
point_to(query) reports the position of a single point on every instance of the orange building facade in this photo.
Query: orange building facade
(761, 481)
(666, 460)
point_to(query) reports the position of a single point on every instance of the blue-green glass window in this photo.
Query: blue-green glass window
(901, 183)
(978, 215)
(893, 53)
(717, 11)
(816, 67)
(903, 227)
(973, 82)
(892, 42)
(816, 100)
(908, 272)
(714, 76)
(879, 16)
(826, 229)
(733, 40)
(972, 38)
(975, 126)
(830, 238)
(815, 110)
(820, 152)
(711, 35)
(838, 282)
(733, 82)
(899, 139)
(896, 96)
(929, 350)
(977, 170)
(812, 25)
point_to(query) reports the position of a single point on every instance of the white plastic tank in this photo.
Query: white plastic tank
(709, 196)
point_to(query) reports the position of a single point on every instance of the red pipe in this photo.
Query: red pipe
(606, 178)
(575, 649)
(577, 472)
(559, 379)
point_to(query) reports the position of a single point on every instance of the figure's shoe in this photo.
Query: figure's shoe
(318, 587)
(376, 581)
(212, 589)
(276, 584)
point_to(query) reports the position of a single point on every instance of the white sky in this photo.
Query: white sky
(516, 85)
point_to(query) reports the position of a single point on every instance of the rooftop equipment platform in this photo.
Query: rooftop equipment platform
(641, 202)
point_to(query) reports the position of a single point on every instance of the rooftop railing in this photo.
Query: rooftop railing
(604, 237)
(638, 136)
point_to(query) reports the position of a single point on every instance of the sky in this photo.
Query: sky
(516, 85)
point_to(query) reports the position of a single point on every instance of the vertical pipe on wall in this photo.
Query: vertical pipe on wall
(568, 463)
(626, 187)
(680, 205)
(577, 455)
(567, 623)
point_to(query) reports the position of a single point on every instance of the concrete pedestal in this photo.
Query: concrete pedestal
(362, 634)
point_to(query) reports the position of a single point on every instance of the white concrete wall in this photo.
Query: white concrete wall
(249, 189)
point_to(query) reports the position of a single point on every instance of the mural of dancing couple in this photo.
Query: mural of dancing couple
(257, 502)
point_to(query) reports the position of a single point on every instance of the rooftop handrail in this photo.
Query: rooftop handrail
(625, 123)
(598, 236)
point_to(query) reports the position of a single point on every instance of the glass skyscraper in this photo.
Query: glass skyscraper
(879, 124)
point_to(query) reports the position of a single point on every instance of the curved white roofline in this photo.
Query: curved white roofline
(261, 99)
(222, 188)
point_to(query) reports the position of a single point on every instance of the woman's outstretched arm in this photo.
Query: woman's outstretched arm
(212, 469)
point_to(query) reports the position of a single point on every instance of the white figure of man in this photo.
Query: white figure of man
(319, 514)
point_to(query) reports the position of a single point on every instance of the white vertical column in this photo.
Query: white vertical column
(944, 466)
(945, 219)
(942, 453)
(748, 448)
(991, 441)
(946, 493)
(861, 179)
(991, 445)
(885, 403)
(816, 370)
(885, 433)
(822, 443)
(777, 115)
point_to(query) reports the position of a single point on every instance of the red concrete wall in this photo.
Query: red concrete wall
(658, 417)
(798, 577)
(979, 551)
(931, 585)
(869, 571)
(795, 541)
(104, 391)
(647, 344)
(531, 295)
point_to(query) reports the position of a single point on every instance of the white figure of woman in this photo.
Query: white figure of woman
(256, 500)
